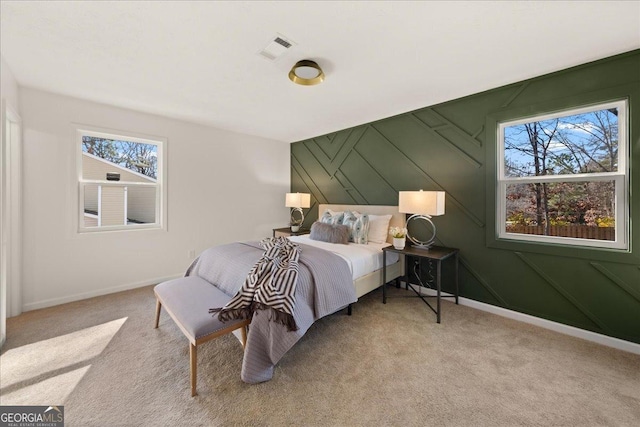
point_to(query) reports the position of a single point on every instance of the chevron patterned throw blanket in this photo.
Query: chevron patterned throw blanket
(271, 284)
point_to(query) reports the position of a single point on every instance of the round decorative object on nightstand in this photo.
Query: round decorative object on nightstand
(422, 244)
(295, 228)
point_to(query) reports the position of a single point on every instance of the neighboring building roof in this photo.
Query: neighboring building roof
(111, 164)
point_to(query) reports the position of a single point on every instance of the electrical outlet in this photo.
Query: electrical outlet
(192, 253)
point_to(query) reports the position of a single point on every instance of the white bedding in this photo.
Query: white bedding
(362, 259)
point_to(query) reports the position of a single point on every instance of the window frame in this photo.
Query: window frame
(621, 178)
(160, 184)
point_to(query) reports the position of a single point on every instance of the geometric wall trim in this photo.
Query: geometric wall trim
(563, 292)
(634, 292)
(444, 147)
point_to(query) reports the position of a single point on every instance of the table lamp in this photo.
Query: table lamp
(297, 201)
(422, 205)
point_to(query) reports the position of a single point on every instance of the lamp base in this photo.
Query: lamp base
(422, 244)
(422, 247)
(294, 221)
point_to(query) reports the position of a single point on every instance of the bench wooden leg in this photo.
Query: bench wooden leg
(243, 333)
(158, 306)
(193, 356)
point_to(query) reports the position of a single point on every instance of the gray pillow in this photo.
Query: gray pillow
(330, 233)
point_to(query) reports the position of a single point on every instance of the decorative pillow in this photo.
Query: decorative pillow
(331, 217)
(378, 228)
(358, 225)
(329, 233)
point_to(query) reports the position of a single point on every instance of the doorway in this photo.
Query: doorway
(10, 217)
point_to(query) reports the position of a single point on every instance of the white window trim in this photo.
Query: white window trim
(160, 182)
(620, 177)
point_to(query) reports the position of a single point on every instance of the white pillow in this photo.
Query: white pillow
(378, 228)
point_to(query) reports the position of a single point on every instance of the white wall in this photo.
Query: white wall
(8, 85)
(222, 187)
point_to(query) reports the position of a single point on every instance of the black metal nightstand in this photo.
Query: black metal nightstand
(286, 231)
(434, 253)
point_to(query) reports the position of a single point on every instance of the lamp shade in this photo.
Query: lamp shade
(421, 202)
(298, 200)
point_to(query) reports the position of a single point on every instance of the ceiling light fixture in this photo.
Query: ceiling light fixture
(306, 73)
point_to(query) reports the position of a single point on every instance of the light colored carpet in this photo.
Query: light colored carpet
(385, 365)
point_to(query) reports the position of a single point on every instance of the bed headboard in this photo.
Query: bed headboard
(397, 218)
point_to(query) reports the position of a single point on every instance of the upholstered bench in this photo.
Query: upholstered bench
(188, 300)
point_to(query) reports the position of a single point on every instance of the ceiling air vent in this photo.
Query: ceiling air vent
(283, 42)
(276, 47)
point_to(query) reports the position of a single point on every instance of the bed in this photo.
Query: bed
(372, 279)
(330, 279)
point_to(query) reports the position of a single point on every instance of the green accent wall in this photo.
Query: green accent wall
(451, 147)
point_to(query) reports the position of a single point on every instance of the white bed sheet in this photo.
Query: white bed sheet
(362, 259)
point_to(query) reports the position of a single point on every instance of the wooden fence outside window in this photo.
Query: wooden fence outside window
(576, 231)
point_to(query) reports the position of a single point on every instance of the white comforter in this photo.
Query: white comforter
(362, 259)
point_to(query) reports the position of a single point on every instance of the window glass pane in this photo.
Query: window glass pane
(569, 144)
(102, 156)
(141, 205)
(118, 205)
(90, 205)
(583, 210)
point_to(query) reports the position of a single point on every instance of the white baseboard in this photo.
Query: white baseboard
(96, 293)
(547, 324)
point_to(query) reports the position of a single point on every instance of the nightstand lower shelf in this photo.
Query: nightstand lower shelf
(435, 253)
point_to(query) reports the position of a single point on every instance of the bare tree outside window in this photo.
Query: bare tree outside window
(136, 156)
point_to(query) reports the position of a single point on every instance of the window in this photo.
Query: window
(563, 177)
(120, 182)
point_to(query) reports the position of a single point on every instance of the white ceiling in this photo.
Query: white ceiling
(198, 61)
